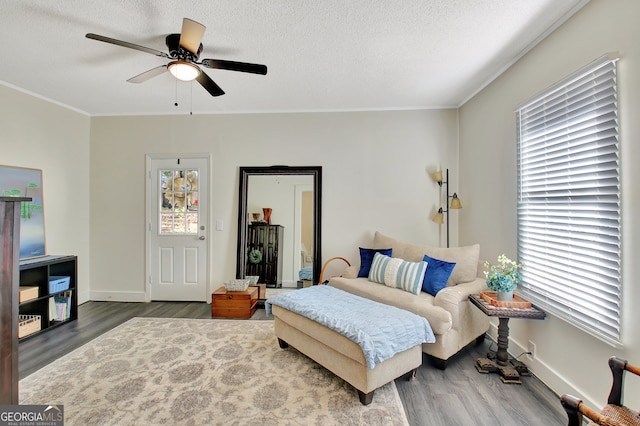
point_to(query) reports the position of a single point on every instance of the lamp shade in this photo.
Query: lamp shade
(437, 176)
(455, 202)
(438, 217)
(183, 70)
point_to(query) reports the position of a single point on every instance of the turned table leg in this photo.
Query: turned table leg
(498, 362)
(502, 357)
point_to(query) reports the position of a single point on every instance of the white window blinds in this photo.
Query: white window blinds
(569, 200)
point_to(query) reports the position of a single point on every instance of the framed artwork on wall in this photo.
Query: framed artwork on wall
(25, 182)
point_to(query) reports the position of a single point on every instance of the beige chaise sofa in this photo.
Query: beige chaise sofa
(454, 320)
(340, 355)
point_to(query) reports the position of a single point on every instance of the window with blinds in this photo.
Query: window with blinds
(569, 200)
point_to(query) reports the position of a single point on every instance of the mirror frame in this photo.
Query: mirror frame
(245, 173)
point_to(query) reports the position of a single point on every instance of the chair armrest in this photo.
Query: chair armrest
(576, 410)
(322, 280)
(571, 405)
(618, 368)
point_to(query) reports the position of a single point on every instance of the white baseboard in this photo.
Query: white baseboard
(539, 368)
(117, 296)
(83, 297)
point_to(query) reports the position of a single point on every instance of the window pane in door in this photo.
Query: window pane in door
(178, 223)
(178, 195)
(166, 223)
(192, 223)
(192, 194)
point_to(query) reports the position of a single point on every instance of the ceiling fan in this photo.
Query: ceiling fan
(184, 51)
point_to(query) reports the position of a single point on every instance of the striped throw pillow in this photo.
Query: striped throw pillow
(397, 273)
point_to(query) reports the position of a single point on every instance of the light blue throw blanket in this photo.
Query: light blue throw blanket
(380, 330)
(306, 273)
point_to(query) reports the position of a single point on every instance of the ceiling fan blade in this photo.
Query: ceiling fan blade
(141, 78)
(209, 84)
(127, 44)
(191, 35)
(235, 66)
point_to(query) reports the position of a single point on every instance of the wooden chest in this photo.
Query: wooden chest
(234, 304)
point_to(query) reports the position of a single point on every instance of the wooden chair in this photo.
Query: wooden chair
(327, 264)
(614, 413)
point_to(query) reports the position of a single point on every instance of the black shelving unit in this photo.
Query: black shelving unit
(37, 272)
(268, 240)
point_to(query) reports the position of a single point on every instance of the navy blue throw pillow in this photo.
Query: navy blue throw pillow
(438, 272)
(366, 258)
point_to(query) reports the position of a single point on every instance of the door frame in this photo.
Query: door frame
(297, 229)
(148, 212)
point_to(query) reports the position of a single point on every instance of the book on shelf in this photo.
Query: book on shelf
(53, 313)
(60, 307)
(60, 310)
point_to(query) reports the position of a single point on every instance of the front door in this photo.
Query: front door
(178, 212)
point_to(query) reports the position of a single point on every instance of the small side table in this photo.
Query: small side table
(498, 362)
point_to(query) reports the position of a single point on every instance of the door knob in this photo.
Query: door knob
(201, 237)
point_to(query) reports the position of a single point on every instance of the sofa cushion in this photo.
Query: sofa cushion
(366, 257)
(422, 304)
(397, 273)
(465, 258)
(437, 274)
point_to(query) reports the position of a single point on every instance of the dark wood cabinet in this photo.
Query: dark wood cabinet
(267, 239)
(54, 302)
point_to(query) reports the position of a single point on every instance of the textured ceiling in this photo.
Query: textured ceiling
(322, 55)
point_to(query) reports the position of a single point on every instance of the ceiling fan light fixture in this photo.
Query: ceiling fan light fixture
(183, 70)
(184, 51)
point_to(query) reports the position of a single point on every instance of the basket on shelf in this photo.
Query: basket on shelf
(28, 324)
(57, 284)
(237, 284)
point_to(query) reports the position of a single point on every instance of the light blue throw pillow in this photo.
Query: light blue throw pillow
(438, 272)
(397, 273)
(366, 257)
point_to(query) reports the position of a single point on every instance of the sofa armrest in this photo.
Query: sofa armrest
(461, 292)
(455, 299)
(351, 272)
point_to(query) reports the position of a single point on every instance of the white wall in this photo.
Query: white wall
(375, 177)
(40, 135)
(567, 359)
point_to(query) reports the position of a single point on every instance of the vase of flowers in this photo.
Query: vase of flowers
(266, 215)
(504, 277)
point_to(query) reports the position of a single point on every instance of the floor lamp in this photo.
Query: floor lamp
(455, 201)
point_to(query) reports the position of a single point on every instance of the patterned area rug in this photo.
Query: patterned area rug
(153, 371)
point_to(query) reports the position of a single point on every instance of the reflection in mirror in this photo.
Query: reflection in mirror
(279, 225)
(288, 201)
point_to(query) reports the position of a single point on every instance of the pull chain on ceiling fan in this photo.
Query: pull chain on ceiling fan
(184, 51)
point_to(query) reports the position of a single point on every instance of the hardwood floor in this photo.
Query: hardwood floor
(458, 395)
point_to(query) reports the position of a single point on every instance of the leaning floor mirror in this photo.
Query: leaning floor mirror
(279, 224)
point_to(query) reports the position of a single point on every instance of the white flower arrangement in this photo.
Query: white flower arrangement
(505, 276)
